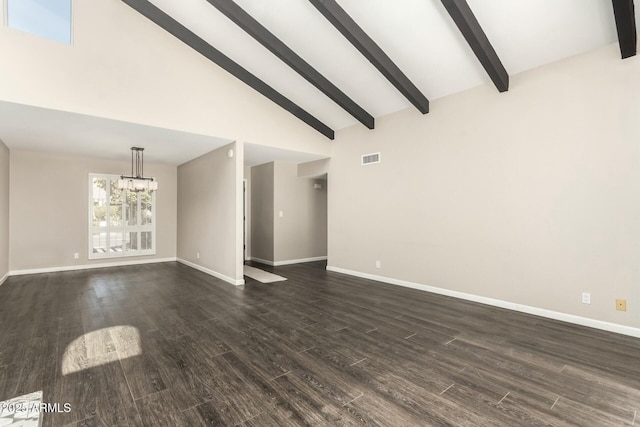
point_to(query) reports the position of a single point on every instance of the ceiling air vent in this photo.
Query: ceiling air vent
(369, 159)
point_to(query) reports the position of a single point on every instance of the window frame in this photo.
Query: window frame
(5, 23)
(124, 228)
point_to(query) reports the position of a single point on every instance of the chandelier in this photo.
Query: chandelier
(137, 182)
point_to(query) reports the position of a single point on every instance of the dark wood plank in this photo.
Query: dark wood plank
(140, 367)
(473, 33)
(304, 405)
(114, 403)
(184, 348)
(159, 409)
(624, 12)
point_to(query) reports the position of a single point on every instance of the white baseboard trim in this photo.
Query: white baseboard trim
(211, 272)
(550, 314)
(261, 261)
(300, 261)
(4, 278)
(88, 266)
(287, 262)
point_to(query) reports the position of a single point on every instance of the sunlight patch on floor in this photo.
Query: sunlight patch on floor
(100, 347)
(21, 411)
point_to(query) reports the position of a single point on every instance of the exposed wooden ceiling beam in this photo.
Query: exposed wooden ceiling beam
(626, 24)
(199, 45)
(472, 31)
(256, 30)
(370, 49)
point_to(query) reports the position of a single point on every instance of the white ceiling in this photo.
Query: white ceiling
(418, 35)
(39, 129)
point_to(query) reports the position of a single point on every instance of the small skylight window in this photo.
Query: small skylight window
(46, 18)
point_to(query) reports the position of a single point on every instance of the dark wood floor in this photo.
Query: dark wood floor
(319, 349)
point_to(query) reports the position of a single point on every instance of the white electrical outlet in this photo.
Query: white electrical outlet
(198, 255)
(281, 214)
(586, 298)
(76, 255)
(378, 265)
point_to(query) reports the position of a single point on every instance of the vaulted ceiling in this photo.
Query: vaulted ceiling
(335, 63)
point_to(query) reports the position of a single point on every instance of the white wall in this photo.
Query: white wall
(4, 211)
(314, 169)
(247, 212)
(123, 66)
(301, 233)
(49, 210)
(262, 193)
(529, 197)
(210, 213)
